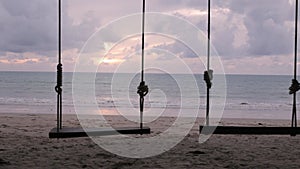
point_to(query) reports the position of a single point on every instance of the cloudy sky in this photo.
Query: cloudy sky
(250, 36)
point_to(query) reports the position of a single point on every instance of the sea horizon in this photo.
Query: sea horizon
(248, 96)
(238, 74)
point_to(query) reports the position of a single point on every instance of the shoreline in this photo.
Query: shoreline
(170, 112)
(226, 120)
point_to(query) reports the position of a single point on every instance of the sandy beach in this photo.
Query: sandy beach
(25, 144)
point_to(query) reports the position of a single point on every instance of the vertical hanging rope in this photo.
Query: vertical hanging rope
(59, 31)
(294, 114)
(58, 87)
(142, 88)
(143, 40)
(208, 74)
(208, 35)
(295, 84)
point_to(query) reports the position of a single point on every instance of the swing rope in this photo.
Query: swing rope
(295, 84)
(142, 88)
(58, 87)
(208, 74)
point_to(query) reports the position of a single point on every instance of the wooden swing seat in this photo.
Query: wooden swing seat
(80, 132)
(245, 130)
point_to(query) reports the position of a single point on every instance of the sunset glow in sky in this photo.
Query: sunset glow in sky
(250, 36)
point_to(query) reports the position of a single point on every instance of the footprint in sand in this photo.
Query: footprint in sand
(3, 162)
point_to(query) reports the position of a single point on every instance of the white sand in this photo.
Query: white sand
(24, 143)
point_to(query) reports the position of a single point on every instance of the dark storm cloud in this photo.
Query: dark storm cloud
(269, 25)
(268, 28)
(27, 26)
(31, 26)
(247, 28)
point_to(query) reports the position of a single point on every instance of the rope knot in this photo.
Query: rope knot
(208, 76)
(58, 86)
(142, 89)
(294, 87)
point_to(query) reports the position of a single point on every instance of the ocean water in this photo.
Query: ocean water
(248, 96)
